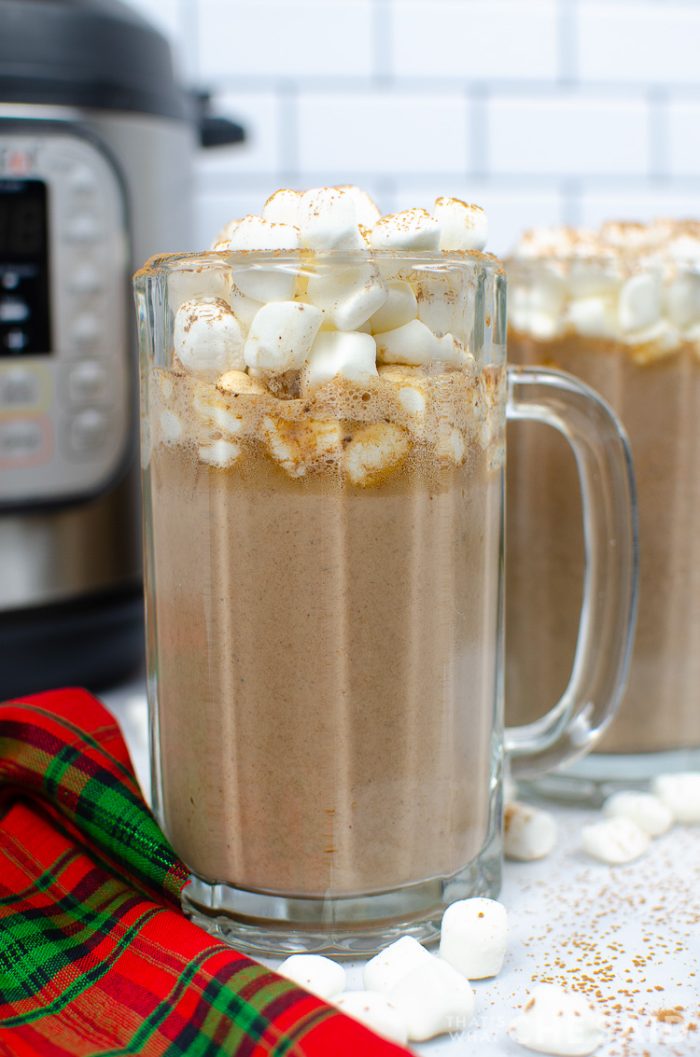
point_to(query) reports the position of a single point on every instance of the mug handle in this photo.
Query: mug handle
(609, 606)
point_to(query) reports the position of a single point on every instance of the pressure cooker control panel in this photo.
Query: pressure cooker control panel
(65, 356)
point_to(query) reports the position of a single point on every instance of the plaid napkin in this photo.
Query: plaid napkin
(95, 956)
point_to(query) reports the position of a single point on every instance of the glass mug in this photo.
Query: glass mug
(652, 380)
(324, 599)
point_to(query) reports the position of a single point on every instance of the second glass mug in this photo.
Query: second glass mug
(324, 598)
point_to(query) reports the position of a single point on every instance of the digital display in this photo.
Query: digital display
(25, 326)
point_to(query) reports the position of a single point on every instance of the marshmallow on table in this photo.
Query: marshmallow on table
(432, 998)
(615, 841)
(220, 453)
(257, 280)
(385, 970)
(376, 1012)
(318, 975)
(207, 338)
(473, 937)
(557, 1022)
(399, 307)
(328, 220)
(281, 335)
(412, 229)
(374, 452)
(646, 810)
(415, 345)
(680, 793)
(341, 354)
(348, 296)
(295, 445)
(528, 832)
(462, 226)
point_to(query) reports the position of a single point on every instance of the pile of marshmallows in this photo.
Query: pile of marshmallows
(411, 994)
(263, 323)
(634, 283)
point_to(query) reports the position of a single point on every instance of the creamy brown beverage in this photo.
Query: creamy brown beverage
(620, 309)
(324, 455)
(318, 618)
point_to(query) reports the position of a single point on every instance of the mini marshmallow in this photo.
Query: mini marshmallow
(557, 1022)
(238, 383)
(375, 452)
(415, 344)
(212, 409)
(646, 810)
(347, 296)
(473, 937)
(340, 354)
(639, 304)
(432, 999)
(170, 427)
(441, 305)
(224, 236)
(412, 400)
(366, 208)
(615, 841)
(462, 226)
(376, 1012)
(295, 445)
(451, 445)
(283, 207)
(199, 281)
(399, 307)
(413, 229)
(318, 975)
(207, 338)
(528, 832)
(281, 335)
(680, 793)
(220, 453)
(328, 220)
(245, 308)
(682, 299)
(382, 972)
(593, 317)
(258, 281)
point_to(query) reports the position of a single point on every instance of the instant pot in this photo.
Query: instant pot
(97, 138)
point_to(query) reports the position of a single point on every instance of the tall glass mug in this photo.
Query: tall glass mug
(620, 309)
(324, 554)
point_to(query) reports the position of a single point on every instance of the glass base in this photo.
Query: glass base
(594, 778)
(353, 927)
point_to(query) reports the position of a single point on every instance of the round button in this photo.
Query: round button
(82, 180)
(87, 431)
(86, 330)
(18, 388)
(87, 382)
(84, 228)
(86, 280)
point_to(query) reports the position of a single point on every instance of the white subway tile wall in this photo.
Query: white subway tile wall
(543, 111)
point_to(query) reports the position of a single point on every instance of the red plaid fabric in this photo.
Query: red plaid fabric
(95, 956)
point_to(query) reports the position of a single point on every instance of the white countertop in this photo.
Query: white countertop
(629, 936)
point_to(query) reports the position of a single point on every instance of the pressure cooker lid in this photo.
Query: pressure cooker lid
(86, 53)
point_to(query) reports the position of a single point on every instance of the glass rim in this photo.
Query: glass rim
(626, 263)
(475, 261)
